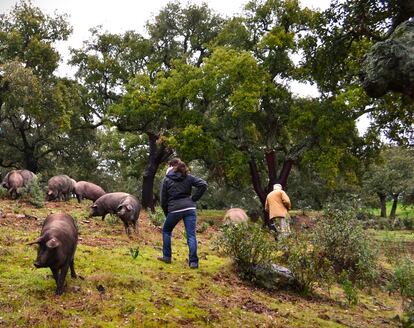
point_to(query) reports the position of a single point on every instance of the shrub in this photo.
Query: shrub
(33, 193)
(203, 227)
(403, 282)
(3, 192)
(350, 291)
(249, 246)
(341, 238)
(307, 262)
(158, 217)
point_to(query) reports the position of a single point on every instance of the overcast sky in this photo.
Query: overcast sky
(122, 15)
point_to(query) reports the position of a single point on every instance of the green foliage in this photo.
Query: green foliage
(112, 219)
(134, 251)
(307, 262)
(203, 227)
(157, 218)
(3, 192)
(346, 245)
(350, 291)
(33, 193)
(403, 282)
(249, 246)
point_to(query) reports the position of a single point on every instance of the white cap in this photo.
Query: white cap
(277, 186)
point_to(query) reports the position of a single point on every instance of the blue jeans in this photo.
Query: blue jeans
(190, 222)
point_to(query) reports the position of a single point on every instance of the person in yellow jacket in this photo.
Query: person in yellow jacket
(277, 205)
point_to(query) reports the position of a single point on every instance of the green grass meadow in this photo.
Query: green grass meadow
(114, 289)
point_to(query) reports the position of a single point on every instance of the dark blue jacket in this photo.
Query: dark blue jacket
(176, 191)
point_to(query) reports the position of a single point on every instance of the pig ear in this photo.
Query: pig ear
(129, 207)
(37, 241)
(50, 192)
(53, 243)
(94, 206)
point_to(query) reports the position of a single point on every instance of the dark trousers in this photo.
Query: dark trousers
(190, 222)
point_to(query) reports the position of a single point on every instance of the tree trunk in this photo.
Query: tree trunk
(271, 169)
(157, 155)
(30, 162)
(284, 173)
(255, 175)
(394, 206)
(272, 173)
(383, 204)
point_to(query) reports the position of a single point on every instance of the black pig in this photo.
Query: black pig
(124, 205)
(57, 245)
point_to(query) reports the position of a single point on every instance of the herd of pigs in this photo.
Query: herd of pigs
(59, 235)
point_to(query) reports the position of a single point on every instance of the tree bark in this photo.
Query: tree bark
(383, 204)
(255, 176)
(271, 169)
(284, 173)
(30, 162)
(157, 155)
(394, 205)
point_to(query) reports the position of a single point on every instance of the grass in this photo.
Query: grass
(116, 290)
(402, 211)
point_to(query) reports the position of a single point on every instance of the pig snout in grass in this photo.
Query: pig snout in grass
(56, 247)
(88, 190)
(124, 205)
(60, 187)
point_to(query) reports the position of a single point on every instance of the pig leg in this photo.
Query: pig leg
(126, 228)
(61, 279)
(72, 269)
(103, 216)
(55, 273)
(79, 197)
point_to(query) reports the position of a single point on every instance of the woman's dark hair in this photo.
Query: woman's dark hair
(174, 161)
(182, 168)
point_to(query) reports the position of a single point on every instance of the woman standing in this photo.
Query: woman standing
(178, 202)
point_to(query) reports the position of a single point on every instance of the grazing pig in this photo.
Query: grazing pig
(27, 176)
(235, 216)
(124, 205)
(15, 181)
(128, 211)
(88, 190)
(60, 187)
(57, 245)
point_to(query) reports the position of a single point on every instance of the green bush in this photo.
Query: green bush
(350, 291)
(403, 282)
(346, 245)
(307, 262)
(33, 193)
(158, 217)
(3, 192)
(249, 246)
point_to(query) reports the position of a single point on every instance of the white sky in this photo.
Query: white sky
(122, 15)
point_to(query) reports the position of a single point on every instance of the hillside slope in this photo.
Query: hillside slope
(116, 290)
